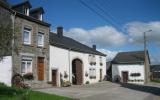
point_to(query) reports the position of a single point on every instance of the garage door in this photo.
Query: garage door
(5, 70)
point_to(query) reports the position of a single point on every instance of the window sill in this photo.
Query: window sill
(28, 45)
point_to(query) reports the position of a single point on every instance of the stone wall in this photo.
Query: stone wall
(31, 50)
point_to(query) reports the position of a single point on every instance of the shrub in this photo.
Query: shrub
(66, 84)
(28, 76)
(87, 82)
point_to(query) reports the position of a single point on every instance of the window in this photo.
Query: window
(100, 60)
(26, 65)
(92, 73)
(92, 59)
(26, 11)
(40, 39)
(27, 36)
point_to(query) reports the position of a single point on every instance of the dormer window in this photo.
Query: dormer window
(41, 17)
(26, 11)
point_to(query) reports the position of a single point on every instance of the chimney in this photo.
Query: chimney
(94, 47)
(60, 31)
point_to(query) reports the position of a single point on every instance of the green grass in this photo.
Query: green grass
(9, 93)
(156, 81)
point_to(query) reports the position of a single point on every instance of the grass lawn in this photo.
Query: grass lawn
(9, 93)
(156, 81)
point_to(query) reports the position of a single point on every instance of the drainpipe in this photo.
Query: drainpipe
(69, 64)
(13, 35)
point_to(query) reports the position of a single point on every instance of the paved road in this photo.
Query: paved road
(107, 91)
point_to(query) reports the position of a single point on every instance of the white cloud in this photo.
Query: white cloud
(110, 54)
(135, 31)
(105, 36)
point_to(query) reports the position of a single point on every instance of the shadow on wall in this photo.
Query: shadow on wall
(116, 77)
(147, 89)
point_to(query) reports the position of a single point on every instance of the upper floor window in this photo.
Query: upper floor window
(26, 11)
(100, 60)
(27, 36)
(26, 65)
(92, 59)
(40, 39)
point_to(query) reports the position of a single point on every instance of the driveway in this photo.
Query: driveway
(107, 91)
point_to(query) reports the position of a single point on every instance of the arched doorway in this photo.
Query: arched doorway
(77, 72)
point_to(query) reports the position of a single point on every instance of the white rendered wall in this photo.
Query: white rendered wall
(117, 69)
(61, 59)
(6, 70)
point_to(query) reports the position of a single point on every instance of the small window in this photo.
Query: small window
(26, 66)
(92, 73)
(26, 11)
(40, 39)
(27, 36)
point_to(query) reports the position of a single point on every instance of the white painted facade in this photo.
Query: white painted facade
(61, 59)
(117, 69)
(6, 70)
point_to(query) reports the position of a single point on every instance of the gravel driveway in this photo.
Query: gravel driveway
(107, 91)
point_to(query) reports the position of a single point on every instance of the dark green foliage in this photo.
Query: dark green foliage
(28, 76)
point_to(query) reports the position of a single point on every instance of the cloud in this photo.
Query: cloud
(105, 36)
(110, 54)
(135, 31)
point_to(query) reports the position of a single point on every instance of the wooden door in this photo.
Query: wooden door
(54, 77)
(100, 71)
(40, 67)
(125, 76)
(79, 74)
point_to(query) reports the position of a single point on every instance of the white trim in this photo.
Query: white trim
(42, 35)
(28, 31)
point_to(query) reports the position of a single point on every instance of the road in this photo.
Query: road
(107, 91)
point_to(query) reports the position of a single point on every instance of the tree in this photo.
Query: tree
(6, 33)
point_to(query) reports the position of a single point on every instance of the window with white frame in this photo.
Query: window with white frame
(40, 39)
(26, 65)
(92, 59)
(26, 11)
(27, 36)
(92, 73)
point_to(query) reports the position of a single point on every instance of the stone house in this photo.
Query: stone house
(129, 67)
(32, 43)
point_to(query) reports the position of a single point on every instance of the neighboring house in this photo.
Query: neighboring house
(32, 43)
(129, 67)
(74, 62)
(155, 72)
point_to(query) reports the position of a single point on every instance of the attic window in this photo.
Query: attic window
(26, 11)
(41, 17)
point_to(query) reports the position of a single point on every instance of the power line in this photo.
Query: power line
(106, 13)
(99, 14)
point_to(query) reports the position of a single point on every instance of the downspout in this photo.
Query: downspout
(13, 36)
(69, 64)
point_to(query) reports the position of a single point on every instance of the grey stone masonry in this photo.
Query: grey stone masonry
(32, 50)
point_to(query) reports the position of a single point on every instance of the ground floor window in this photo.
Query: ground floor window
(92, 73)
(26, 65)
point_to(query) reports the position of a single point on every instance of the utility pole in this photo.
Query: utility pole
(145, 55)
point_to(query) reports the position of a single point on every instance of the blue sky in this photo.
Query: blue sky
(125, 21)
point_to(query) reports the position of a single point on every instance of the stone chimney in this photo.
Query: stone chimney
(94, 47)
(60, 31)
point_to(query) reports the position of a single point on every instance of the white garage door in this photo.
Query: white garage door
(5, 70)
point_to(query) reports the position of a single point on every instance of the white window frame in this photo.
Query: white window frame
(28, 31)
(26, 60)
(26, 11)
(40, 44)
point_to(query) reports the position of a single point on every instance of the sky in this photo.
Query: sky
(113, 25)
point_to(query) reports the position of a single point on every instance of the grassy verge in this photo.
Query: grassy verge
(156, 81)
(10, 93)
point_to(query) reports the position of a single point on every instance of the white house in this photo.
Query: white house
(74, 62)
(129, 67)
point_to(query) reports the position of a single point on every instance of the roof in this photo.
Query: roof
(71, 44)
(155, 68)
(26, 2)
(30, 18)
(129, 57)
(37, 9)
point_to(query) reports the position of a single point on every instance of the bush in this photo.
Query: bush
(66, 84)
(28, 76)
(87, 82)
